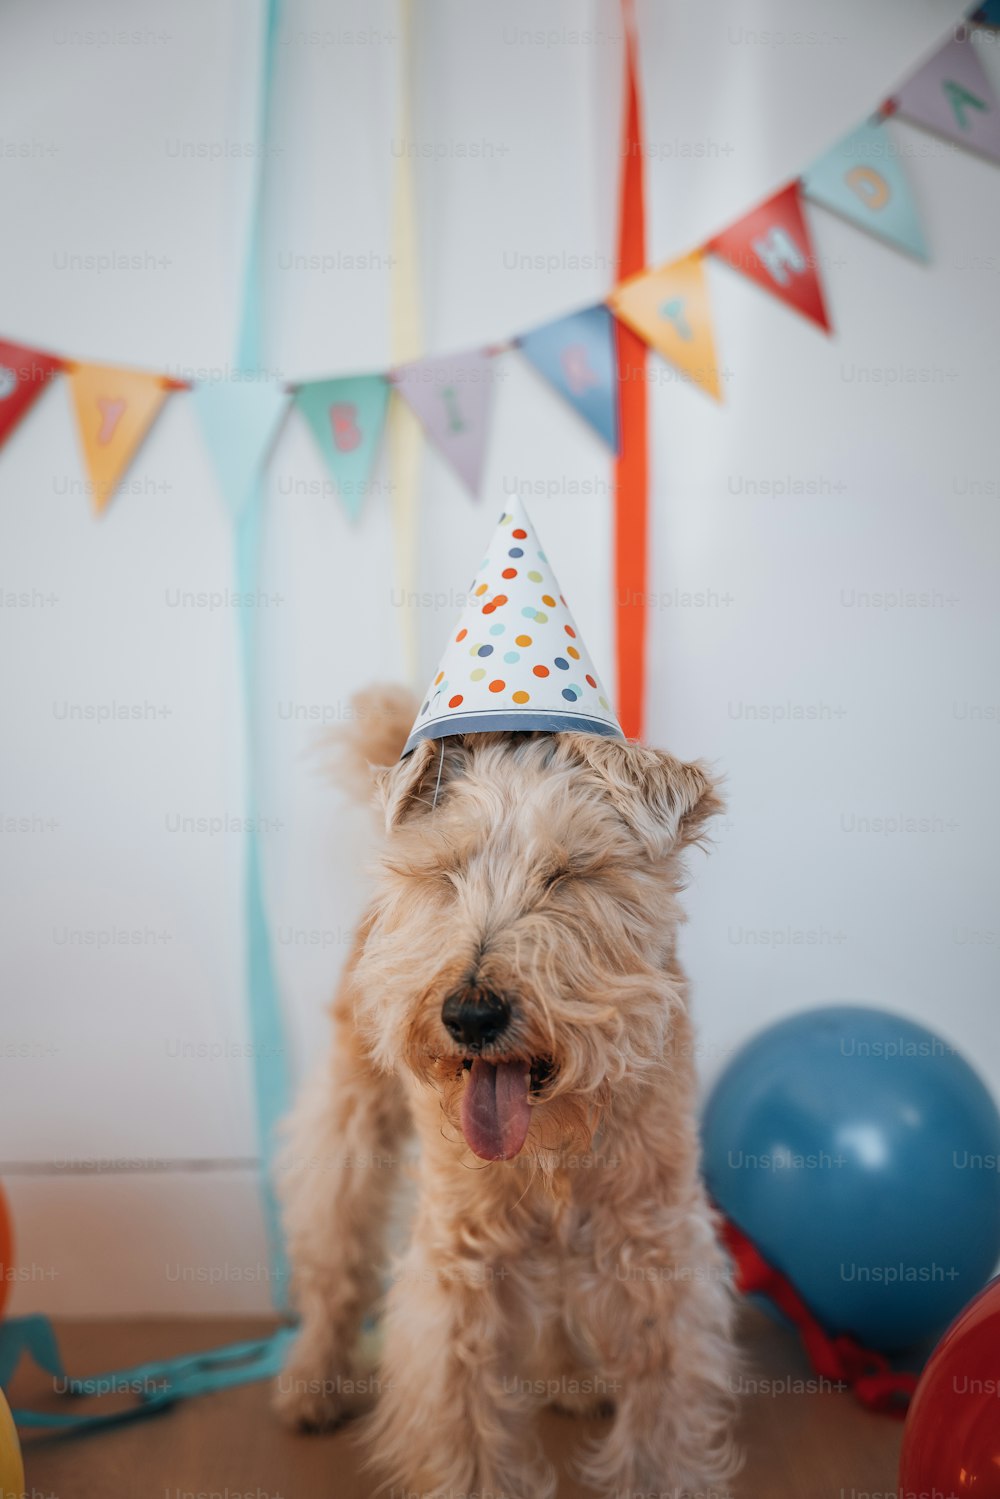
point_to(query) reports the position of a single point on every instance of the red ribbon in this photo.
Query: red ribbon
(875, 1383)
(631, 466)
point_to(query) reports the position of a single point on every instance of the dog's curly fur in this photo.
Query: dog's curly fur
(584, 1271)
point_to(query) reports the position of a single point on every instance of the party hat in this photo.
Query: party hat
(515, 660)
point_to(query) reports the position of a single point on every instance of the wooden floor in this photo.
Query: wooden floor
(801, 1443)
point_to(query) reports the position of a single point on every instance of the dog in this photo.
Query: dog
(514, 998)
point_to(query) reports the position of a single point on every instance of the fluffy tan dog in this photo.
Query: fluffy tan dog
(514, 997)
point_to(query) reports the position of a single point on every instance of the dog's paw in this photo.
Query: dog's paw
(307, 1403)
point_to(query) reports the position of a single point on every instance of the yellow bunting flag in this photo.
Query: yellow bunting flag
(668, 307)
(114, 410)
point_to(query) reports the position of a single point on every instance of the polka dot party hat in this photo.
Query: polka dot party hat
(515, 660)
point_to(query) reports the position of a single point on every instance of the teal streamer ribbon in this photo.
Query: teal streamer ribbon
(156, 1384)
(272, 1083)
(272, 1090)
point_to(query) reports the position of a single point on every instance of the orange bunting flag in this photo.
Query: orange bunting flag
(669, 308)
(115, 408)
(772, 246)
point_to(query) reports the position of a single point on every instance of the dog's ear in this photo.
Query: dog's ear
(410, 787)
(664, 801)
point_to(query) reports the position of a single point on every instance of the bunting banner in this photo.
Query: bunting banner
(576, 354)
(24, 374)
(453, 397)
(669, 308)
(863, 180)
(239, 422)
(772, 246)
(951, 95)
(115, 408)
(346, 418)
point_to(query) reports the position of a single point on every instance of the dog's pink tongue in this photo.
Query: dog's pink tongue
(495, 1109)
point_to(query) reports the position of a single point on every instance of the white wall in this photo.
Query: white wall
(128, 1164)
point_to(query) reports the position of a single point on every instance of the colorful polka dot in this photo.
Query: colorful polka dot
(497, 629)
(604, 703)
(528, 612)
(570, 631)
(509, 572)
(497, 686)
(548, 601)
(519, 535)
(485, 650)
(522, 639)
(571, 650)
(481, 590)
(540, 671)
(570, 694)
(562, 663)
(461, 635)
(500, 600)
(590, 680)
(456, 701)
(520, 697)
(439, 678)
(477, 675)
(541, 618)
(516, 552)
(535, 577)
(511, 656)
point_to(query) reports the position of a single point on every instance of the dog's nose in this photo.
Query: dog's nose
(475, 1017)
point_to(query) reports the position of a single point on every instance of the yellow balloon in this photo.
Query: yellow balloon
(11, 1467)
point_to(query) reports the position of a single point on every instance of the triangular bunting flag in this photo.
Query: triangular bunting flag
(576, 354)
(346, 417)
(773, 247)
(862, 179)
(452, 397)
(952, 95)
(515, 660)
(24, 374)
(239, 420)
(668, 307)
(115, 408)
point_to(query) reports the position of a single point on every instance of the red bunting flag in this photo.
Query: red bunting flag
(24, 374)
(772, 246)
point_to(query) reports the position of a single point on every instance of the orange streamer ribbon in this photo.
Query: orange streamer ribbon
(631, 522)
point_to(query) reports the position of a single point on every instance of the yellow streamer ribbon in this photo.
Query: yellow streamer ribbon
(406, 341)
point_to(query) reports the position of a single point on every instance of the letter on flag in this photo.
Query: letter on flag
(669, 308)
(576, 354)
(863, 180)
(772, 246)
(952, 95)
(346, 418)
(453, 397)
(115, 408)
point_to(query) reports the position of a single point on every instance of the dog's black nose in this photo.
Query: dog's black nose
(475, 1017)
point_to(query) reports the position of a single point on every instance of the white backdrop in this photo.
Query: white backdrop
(824, 626)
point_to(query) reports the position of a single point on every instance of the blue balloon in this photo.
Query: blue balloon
(861, 1154)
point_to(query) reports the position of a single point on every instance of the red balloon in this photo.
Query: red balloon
(951, 1442)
